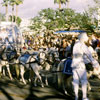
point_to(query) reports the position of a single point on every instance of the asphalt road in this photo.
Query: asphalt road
(15, 90)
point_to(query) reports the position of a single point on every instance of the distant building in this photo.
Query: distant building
(10, 35)
(24, 26)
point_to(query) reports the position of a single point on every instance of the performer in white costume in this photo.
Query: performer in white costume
(78, 65)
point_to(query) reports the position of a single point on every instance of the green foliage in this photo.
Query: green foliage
(5, 3)
(93, 13)
(12, 2)
(18, 2)
(93, 10)
(85, 22)
(2, 17)
(97, 2)
(36, 23)
(18, 21)
(47, 13)
(62, 1)
(63, 19)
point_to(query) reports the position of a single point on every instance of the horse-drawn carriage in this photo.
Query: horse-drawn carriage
(10, 44)
(13, 39)
(10, 35)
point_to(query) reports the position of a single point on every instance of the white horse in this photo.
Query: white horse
(23, 62)
(53, 58)
(48, 62)
(5, 58)
(36, 63)
(2, 64)
(61, 79)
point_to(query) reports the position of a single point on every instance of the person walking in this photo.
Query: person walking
(78, 65)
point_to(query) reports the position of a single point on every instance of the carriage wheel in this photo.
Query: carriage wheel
(59, 80)
(64, 83)
(67, 85)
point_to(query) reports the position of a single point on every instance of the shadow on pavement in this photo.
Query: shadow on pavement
(47, 93)
(13, 88)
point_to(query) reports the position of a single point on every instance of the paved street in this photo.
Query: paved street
(15, 90)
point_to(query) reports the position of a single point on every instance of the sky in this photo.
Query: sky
(30, 8)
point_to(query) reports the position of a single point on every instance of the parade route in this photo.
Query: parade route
(15, 90)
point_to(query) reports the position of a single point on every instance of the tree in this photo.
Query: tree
(5, 3)
(36, 23)
(97, 2)
(66, 19)
(12, 3)
(54, 19)
(2, 18)
(67, 3)
(69, 18)
(60, 2)
(17, 3)
(18, 20)
(86, 22)
(93, 11)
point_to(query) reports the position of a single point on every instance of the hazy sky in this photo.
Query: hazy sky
(30, 8)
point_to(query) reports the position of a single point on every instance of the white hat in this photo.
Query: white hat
(83, 37)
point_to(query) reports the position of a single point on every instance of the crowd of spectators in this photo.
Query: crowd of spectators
(61, 42)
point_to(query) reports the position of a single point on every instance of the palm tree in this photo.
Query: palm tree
(17, 3)
(61, 2)
(5, 3)
(67, 3)
(58, 2)
(12, 3)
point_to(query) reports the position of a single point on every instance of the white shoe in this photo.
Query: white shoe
(85, 99)
(65, 92)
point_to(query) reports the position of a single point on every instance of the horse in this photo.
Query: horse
(6, 56)
(61, 79)
(53, 58)
(43, 69)
(36, 63)
(23, 62)
(64, 81)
